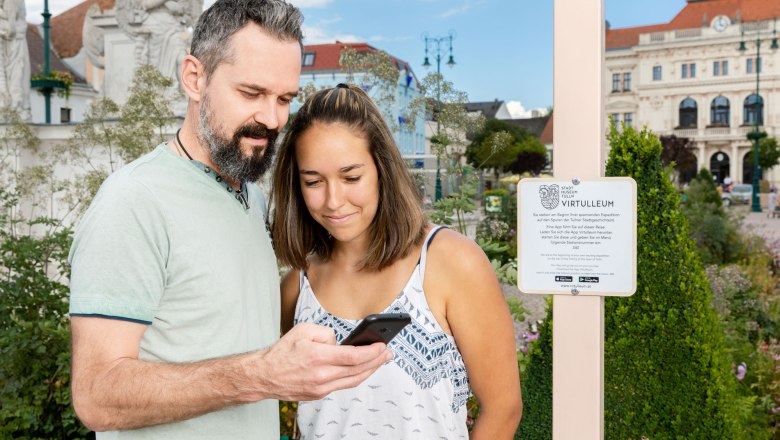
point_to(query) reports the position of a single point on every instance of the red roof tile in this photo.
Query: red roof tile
(66, 28)
(327, 56)
(697, 14)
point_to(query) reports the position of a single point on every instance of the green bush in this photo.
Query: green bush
(711, 227)
(537, 386)
(667, 375)
(35, 338)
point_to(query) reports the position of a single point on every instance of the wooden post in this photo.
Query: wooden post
(579, 132)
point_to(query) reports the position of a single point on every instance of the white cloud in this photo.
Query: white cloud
(317, 35)
(518, 111)
(310, 3)
(455, 11)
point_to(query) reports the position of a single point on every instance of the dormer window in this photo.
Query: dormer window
(308, 59)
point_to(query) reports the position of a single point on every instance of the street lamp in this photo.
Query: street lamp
(757, 135)
(435, 44)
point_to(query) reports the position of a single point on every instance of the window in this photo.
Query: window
(657, 73)
(615, 82)
(628, 119)
(308, 59)
(627, 81)
(716, 68)
(750, 62)
(753, 110)
(688, 113)
(724, 67)
(64, 115)
(689, 70)
(719, 112)
(615, 117)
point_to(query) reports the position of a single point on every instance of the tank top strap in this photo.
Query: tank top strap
(424, 253)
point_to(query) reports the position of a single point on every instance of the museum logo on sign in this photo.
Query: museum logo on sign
(549, 195)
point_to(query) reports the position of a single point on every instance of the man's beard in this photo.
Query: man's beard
(226, 153)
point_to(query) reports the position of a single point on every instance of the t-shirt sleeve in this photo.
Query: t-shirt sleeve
(119, 254)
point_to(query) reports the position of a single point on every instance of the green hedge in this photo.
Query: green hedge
(666, 372)
(537, 387)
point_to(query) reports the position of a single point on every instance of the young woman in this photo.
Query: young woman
(347, 219)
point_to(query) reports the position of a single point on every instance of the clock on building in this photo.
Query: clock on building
(720, 23)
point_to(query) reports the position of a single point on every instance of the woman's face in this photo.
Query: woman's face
(339, 179)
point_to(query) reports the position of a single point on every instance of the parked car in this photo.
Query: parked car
(741, 193)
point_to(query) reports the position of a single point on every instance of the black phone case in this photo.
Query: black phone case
(382, 327)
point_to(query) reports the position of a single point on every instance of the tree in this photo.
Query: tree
(445, 104)
(768, 154)
(677, 153)
(378, 71)
(532, 157)
(111, 136)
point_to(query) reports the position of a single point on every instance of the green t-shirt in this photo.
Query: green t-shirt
(165, 244)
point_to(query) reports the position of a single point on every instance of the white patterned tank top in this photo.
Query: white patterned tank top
(420, 394)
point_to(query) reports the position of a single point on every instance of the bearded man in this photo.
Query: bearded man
(174, 287)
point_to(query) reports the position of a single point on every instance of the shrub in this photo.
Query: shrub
(537, 386)
(667, 375)
(710, 226)
(35, 338)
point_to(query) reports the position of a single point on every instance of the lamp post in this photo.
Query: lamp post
(46, 83)
(435, 45)
(756, 135)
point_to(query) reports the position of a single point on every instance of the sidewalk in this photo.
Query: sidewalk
(758, 223)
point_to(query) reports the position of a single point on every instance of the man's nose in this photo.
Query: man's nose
(268, 113)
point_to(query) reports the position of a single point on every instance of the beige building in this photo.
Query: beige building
(689, 78)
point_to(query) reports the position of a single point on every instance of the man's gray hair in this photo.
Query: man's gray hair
(211, 38)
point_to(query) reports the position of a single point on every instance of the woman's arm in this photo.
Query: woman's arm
(290, 288)
(479, 319)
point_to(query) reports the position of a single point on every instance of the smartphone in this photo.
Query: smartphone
(382, 327)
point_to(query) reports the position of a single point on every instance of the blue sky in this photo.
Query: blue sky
(503, 48)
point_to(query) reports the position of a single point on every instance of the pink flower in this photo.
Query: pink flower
(741, 370)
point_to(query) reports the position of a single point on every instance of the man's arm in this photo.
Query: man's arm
(113, 389)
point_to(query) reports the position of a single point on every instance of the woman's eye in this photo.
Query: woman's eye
(310, 183)
(352, 179)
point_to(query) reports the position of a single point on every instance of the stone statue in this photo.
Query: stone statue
(93, 37)
(160, 30)
(14, 58)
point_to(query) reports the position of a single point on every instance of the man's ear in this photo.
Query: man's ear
(193, 78)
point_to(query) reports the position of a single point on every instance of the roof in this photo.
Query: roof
(66, 28)
(35, 47)
(327, 56)
(695, 14)
(488, 109)
(534, 126)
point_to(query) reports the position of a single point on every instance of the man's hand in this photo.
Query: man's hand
(306, 364)
(113, 389)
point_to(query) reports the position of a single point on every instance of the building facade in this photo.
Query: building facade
(321, 68)
(696, 77)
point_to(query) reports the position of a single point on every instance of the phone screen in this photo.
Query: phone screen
(382, 327)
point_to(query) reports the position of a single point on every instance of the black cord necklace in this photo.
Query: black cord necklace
(239, 192)
(182, 145)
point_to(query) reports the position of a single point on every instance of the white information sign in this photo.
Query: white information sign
(577, 237)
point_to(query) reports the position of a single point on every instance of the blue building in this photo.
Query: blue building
(322, 68)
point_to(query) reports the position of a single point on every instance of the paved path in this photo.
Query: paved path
(758, 222)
